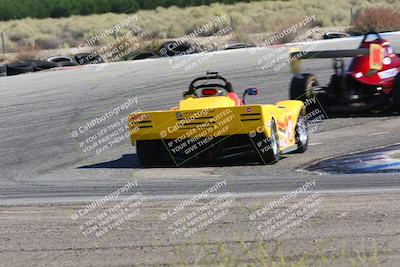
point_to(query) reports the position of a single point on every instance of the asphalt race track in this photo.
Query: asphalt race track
(42, 163)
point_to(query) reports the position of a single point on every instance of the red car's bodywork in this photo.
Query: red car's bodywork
(371, 80)
(390, 65)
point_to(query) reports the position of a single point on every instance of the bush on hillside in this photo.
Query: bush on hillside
(379, 19)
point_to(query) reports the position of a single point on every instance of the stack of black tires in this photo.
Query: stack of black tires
(26, 66)
(3, 70)
(34, 65)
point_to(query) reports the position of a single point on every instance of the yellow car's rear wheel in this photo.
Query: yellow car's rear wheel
(152, 153)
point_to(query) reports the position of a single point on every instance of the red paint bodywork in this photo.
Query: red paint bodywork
(234, 97)
(361, 64)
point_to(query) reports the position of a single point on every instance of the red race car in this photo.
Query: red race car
(371, 82)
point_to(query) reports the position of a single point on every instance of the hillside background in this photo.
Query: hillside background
(18, 9)
(248, 17)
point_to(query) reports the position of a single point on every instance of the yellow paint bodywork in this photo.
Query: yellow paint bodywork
(192, 103)
(376, 55)
(295, 64)
(217, 116)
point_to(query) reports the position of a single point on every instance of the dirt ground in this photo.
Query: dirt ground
(333, 230)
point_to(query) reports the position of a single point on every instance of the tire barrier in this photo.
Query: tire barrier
(3, 70)
(18, 68)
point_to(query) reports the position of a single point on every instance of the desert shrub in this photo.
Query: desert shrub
(298, 35)
(17, 9)
(46, 41)
(379, 19)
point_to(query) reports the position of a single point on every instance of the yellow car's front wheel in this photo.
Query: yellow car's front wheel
(267, 148)
(301, 134)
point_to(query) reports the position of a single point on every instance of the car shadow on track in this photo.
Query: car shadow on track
(130, 161)
(378, 114)
(127, 161)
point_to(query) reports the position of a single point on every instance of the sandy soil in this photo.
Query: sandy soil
(342, 230)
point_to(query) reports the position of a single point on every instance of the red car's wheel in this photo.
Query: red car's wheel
(302, 86)
(396, 94)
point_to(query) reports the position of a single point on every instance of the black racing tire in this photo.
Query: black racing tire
(301, 134)
(39, 65)
(18, 68)
(152, 153)
(144, 55)
(396, 93)
(59, 59)
(3, 70)
(145, 151)
(269, 152)
(67, 64)
(302, 86)
(238, 46)
(88, 58)
(172, 48)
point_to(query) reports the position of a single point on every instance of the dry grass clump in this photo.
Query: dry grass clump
(379, 19)
(276, 254)
(27, 53)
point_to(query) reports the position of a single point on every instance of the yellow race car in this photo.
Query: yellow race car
(212, 124)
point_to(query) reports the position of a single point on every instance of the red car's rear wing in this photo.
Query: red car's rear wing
(375, 52)
(330, 53)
